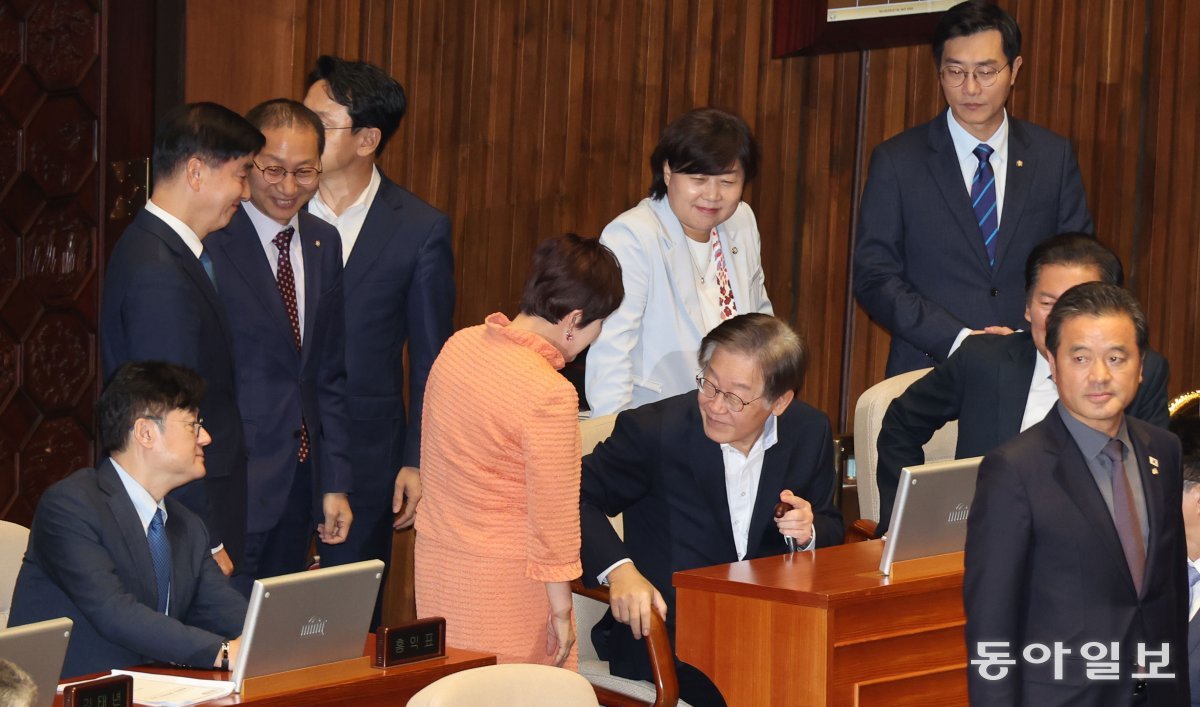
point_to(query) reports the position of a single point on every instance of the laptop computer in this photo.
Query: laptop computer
(306, 619)
(39, 650)
(930, 514)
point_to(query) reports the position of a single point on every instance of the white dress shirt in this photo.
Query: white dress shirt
(706, 282)
(267, 229)
(1042, 393)
(349, 224)
(185, 232)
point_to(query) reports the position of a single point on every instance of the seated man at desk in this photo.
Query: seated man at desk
(997, 386)
(132, 567)
(697, 477)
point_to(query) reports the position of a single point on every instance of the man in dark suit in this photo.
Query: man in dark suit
(1191, 526)
(952, 208)
(113, 552)
(279, 272)
(1075, 553)
(697, 477)
(160, 303)
(399, 291)
(997, 386)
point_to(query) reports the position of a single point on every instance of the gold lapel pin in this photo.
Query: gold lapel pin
(1020, 163)
(317, 243)
(734, 249)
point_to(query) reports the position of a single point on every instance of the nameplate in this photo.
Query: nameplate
(114, 691)
(416, 640)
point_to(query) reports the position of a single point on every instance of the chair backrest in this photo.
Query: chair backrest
(868, 420)
(13, 540)
(509, 684)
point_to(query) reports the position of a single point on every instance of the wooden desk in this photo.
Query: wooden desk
(824, 628)
(390, 687)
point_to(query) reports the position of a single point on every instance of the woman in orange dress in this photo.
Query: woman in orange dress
(498, 523)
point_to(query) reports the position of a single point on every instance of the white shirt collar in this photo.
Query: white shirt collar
(143, 502)
(766, 440)
(186, 234)
(965, 143)
(266, 226)
(365, 198)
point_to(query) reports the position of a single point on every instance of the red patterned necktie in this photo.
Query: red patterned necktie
(285, 280)
(725, 292)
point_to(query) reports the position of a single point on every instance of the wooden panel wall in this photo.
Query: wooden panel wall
(531, 117)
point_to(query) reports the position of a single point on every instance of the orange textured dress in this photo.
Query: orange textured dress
(499, 512)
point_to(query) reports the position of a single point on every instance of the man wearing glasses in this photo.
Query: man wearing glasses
(952, 208)
(112, 551)
(697, 477)
(279, 273)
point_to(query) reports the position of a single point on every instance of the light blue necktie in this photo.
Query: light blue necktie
(160, 553)
(206, 263)
(983, 201)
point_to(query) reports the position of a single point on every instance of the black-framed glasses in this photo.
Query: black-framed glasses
(305, 176)
(733, 402)
(955, 76)
(196, 425)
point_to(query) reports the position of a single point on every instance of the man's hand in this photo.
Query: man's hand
(798, 522)
(560, 636)
(337, 519)
(224, 562)
(408, 486)
(995, 329)
(632, 597)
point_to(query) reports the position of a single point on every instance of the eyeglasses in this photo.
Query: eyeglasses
(305, 176)
(733, 402)
(955, 76)
(196, 425)
(343, 127)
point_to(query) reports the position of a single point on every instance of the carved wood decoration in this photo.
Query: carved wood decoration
(531, 118)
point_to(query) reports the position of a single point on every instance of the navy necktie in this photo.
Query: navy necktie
(206, 263)
(160, 553)
(1125, 517)
(983, 201)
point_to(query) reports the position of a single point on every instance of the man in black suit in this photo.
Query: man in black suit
(697, 477)
(997, 386)
(952, 208)
(1188, 429)
(113, 552)
(399, 292)
(279, 272)
(1075, 553)
(160, 303)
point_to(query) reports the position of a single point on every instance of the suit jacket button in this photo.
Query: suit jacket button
(995, 292)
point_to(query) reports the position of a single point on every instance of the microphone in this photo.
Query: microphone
(781, 509)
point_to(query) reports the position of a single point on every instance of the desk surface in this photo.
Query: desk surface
(388, 686)
(826, 578)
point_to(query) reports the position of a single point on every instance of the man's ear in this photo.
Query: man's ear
(368, 141)
(195, 172)
(781, 403)
(145, 432)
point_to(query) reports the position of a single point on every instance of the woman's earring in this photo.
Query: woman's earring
(570, 336)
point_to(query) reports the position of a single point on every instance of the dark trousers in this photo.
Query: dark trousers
(370, 538)
(284, 548)
(695, 688)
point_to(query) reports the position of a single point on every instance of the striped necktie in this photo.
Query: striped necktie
(983, 201)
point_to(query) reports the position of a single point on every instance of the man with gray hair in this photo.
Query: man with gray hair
(697, 477)
(17, 689)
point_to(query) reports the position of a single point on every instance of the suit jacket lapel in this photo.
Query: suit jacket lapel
(944, 168)
(1012, 385)
(678, 260)
(245, 253)
(180, 571)
(1072, 473)
(311, 253)
(375, 233)
(1016, 186)
(188, 261)
(126, 518)
(770, 482)
(708, 470)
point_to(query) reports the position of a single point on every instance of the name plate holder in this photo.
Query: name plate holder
(307, 678)
(930, 566)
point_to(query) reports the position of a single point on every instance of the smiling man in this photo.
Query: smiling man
(279, 271)
(1075, 553)
(697, 477)
(112, 551)
(160, 300)
(952, 208)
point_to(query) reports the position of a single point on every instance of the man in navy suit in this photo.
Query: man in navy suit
(998, 386)
(1075, 553)
(279, 273)
(399, 291)
(113, 552)
(159, 301)
(1188, 429)
(697, 477)
(952, 208)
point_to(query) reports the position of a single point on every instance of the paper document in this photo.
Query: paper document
(171, 691)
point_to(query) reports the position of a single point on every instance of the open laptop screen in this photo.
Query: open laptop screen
(930, 515)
